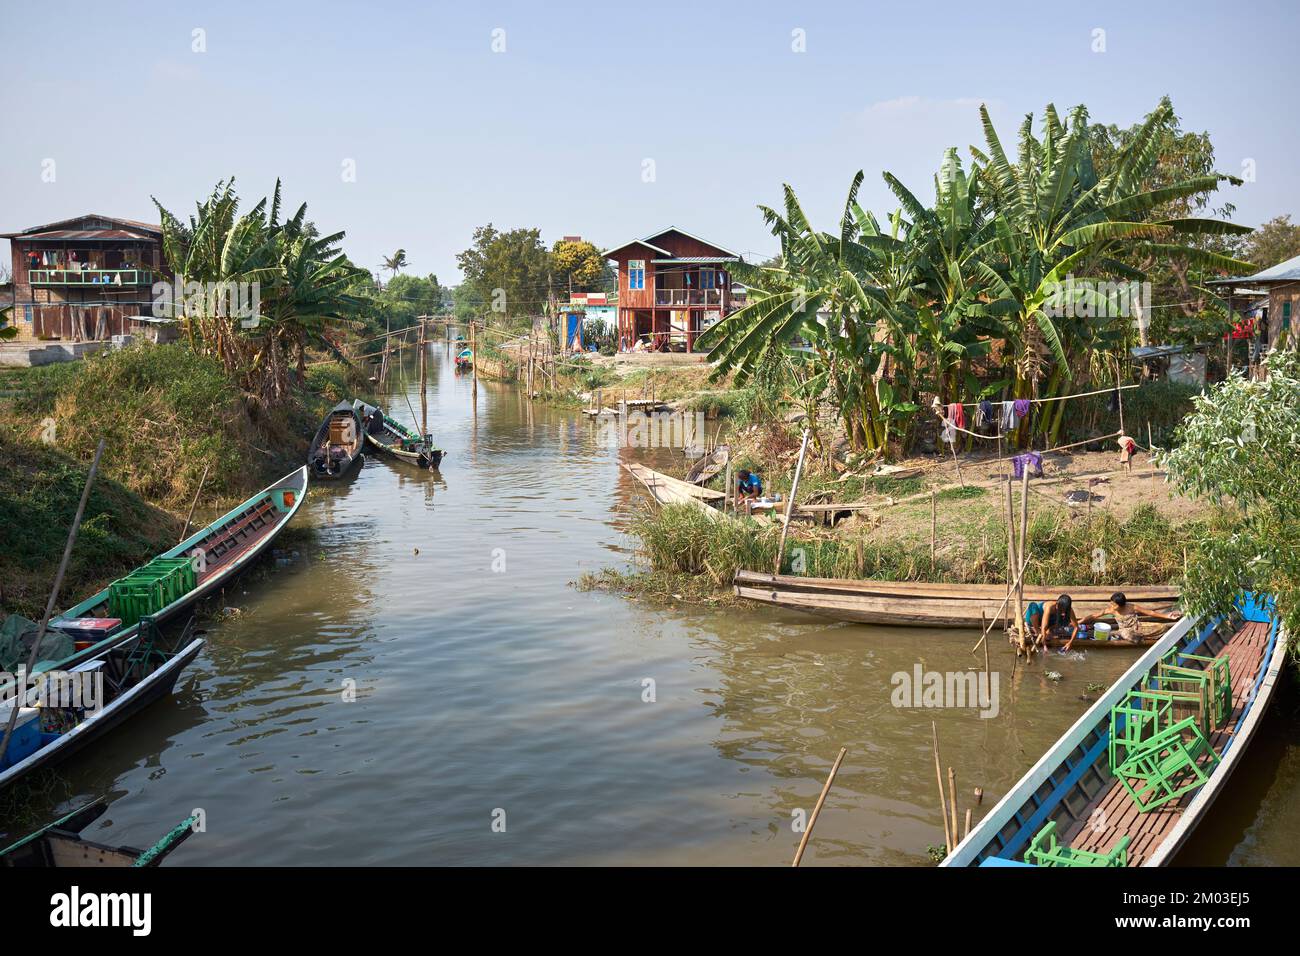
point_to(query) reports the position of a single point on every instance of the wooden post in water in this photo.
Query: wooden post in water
(1012, 564)
(1020, 547)
(789, 505)
(938, 775)
(54, 594)
(952, 804)
(812, 820)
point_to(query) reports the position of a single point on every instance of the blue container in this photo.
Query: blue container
(26, 739)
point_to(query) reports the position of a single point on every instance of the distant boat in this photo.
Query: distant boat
(175, 580)
(1139, 771)
(919, 604)
(393, 438)
(464, 360)
(61, 844)
(136, 671)
(338, 444)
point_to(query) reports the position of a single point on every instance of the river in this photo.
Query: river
(503, 717)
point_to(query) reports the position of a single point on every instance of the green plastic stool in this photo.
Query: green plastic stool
(1046, 851)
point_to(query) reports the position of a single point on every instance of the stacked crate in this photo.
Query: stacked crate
(149, 589)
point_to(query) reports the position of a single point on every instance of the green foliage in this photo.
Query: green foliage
(1275, 241)
(39, 491)
(1241, 445)
(1008, 268)
(506, 272)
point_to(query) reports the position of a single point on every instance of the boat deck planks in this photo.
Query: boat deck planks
(1113, 814)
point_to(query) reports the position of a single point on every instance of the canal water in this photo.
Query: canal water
(502, 717)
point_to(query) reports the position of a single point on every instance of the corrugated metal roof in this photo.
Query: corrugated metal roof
(685, 259)
(86, 235)
(53, 226)
(1288, 271)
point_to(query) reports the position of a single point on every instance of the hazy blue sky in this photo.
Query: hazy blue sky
(553, 132)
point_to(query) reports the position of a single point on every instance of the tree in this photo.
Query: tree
(1276, 241)
(396, 262)
(304, 286)
(577, 266)
(1241, 447)
(509, 272)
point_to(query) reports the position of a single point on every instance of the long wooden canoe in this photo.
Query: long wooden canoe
(668, 490)
(1073, 787)
(217, 553)
(61, 844)
(916, 604)
(391, 437)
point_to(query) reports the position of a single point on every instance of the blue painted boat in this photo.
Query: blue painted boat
(1124, 786)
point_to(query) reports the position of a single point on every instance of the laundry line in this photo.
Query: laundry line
(1058, 398)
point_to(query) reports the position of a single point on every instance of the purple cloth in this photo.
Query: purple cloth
(1022, 407)
(1033, 459)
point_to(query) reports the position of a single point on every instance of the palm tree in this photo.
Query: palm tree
(396, 262)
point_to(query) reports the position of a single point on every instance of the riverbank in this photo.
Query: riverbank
(167, 416)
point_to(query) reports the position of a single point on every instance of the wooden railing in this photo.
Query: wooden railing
(688, 296)
(90, 277)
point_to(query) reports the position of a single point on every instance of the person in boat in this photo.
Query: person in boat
(1126, 616)
(748, 485)
(1059, 621)
(1034, 618)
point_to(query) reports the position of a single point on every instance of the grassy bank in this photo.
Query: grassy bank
(689, 556)
(39, 490)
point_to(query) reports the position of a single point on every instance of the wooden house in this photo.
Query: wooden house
(671, 287)
(83, 279)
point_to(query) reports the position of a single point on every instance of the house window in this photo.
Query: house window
(27, 314)
(708, 279)
(636, 273)
(1286, 316)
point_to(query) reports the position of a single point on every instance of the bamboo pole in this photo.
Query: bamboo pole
(952, 803)
(812, 820)
(967, 831)
(1010, 588)
(789, 505)
(1020, 548)
(938, 775)
(424, 393)
(189, 517)
(54, 594)
(1012, 563)
(1151, 456)
(934, 519)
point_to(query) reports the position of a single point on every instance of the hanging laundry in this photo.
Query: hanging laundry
(1032, 460)
(1009, 420)
(949, 432)
(1022, 407)
(984, 414)
(957, 415)
(1127, 449)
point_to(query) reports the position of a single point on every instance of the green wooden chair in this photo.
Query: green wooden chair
(1045, 850)
(1214, 673)
(1137, 718)
(1175, 761)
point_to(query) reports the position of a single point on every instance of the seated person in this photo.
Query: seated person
(1125, 615)
(749, 485)
(1059, 622)
(1034, 619)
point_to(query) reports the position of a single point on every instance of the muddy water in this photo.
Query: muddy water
(489, 690)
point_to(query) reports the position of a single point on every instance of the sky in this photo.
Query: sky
(407, 125)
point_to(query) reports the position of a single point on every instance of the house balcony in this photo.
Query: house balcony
(688, 297)
(119, 277)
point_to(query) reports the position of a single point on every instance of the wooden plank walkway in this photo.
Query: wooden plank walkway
(1113, 814)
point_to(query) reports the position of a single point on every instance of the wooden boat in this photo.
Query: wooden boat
(61, 844)
(338, 444)
(393, 438)
(916, 604)
(136, 671)
(215, 555)
(1071, 809)
(709, 465)
(464, 360)
(668, 490)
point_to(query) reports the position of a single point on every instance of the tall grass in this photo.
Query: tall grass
(1143, 549)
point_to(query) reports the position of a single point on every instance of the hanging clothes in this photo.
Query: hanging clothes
(957, 415)
(1127, 449)
(1009, 421)
(1022, 407)
(1032, 460)
(949, 432)
(984, 414)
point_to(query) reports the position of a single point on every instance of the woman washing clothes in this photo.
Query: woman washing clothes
(1127, 616)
